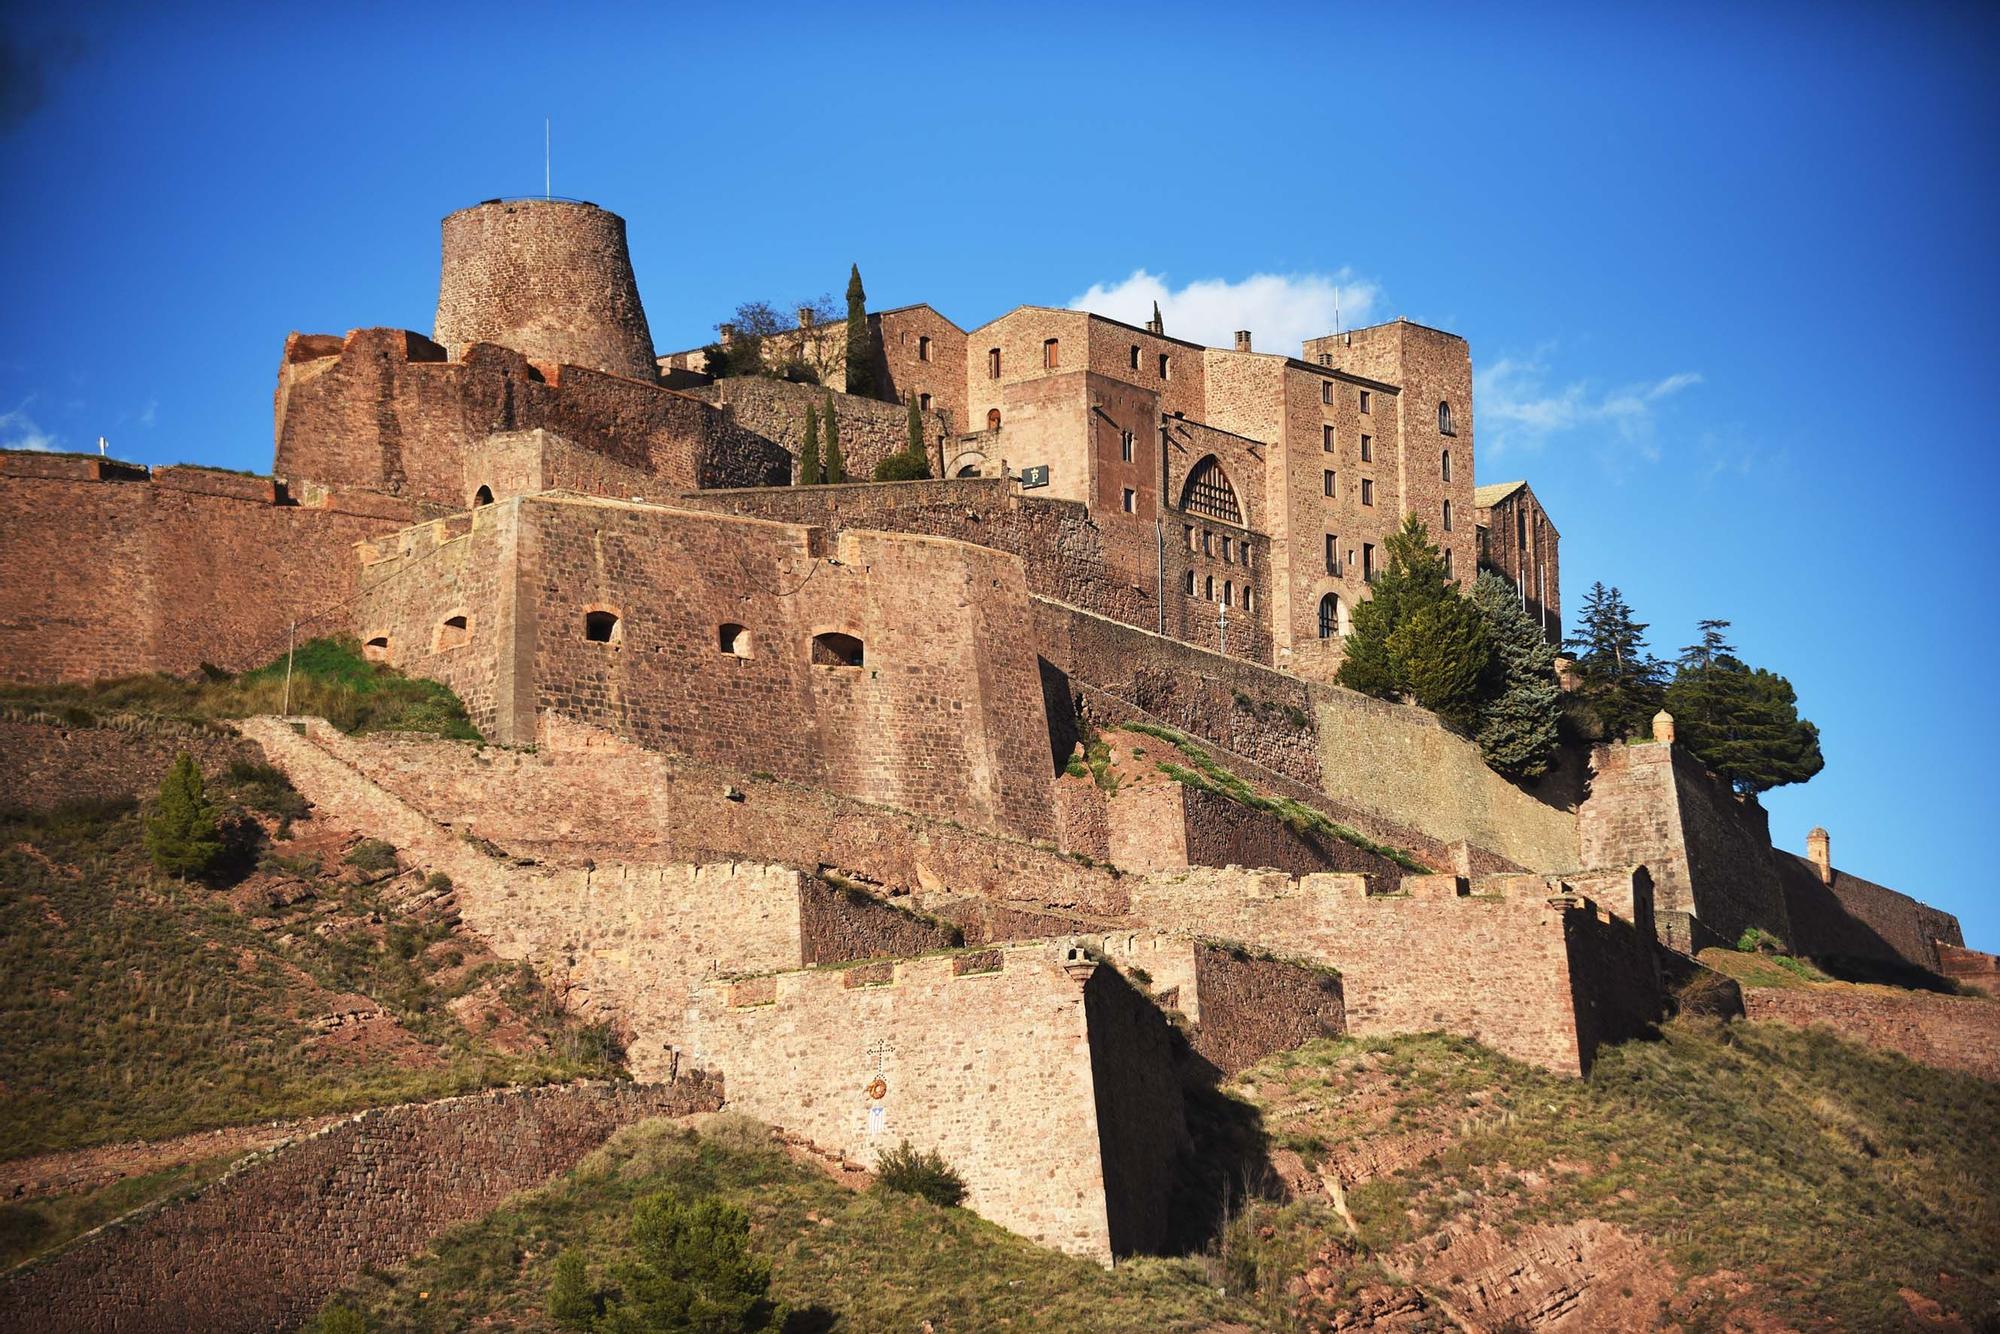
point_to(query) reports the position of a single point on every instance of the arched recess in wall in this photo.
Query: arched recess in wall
(454, 631)
(603, 625)
(483, 496)
(1207, 491)
(831, 648)
(992, 419)
(376, 649)
(733, 639)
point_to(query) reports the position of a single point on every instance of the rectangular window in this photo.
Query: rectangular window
(1166, 364)
(1332, 554)
(1228, 550)
(1326, 438)
(1125, 445)
(1326, 481)
(1364, 400)
(1367, 491)
(1246, 549)
(1326, 391)
(1207, 542)
(1051, 354)
(1187, 531)
(1135, 356)
(1368, 561)
(1326, 358)
(1444, 466)
(1447, 562)
(1131, 501)
(993, 363)
(923, 348)
(1367, 449)
(923, 402)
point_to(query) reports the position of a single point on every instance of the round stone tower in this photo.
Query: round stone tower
(549, 278)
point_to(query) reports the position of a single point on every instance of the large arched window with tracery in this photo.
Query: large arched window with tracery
(1209, 493)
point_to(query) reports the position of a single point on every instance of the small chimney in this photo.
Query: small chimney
(1242, 340)
(1819, 851)
(805, 317)
(1663, 726)
(728, 332)
(1156, 324)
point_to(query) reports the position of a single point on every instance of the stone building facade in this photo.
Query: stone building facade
(1517, 541)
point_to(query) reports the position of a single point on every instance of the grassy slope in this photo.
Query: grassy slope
(137, 1008)
(330, 680)
(1815, 1177)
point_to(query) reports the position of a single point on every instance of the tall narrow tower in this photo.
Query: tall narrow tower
(550, 278)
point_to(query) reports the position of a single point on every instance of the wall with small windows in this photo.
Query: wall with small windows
(924, 353)
(1517, 540)
(886, 666)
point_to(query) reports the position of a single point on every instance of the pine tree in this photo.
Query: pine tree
(1517, 728)
(183, 834)
(1740, 721)
(861, 350)
(836, 466)
(1416, 635)
(694, 1270)
(1619, 677)
(810, 471)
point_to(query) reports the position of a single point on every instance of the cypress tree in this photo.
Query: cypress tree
(836, 467)
(917, 433)
(810, 472)
(861, 351)
(1417, 635)
(1517, 727)
(183, 834)
(913, 462)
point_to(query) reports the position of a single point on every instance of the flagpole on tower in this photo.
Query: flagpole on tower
(548, 159)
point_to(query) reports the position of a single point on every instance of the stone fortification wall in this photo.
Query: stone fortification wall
(107, 571)
(523, 463)
(1707, 849)
(45, 763)
(719, 629)
(1168, 826)
(1253, 1006)
(1952, 1032)
(987, 1057)
(264, 1246)
(1494, 965)
(1856, 919)
(386, 410)
(870, 430)
(585, 796)
(549, 278)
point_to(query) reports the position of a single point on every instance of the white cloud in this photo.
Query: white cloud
(18, 431)
(1518, 411)
(1281, 310)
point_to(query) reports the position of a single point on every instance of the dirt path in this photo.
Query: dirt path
(76, 1170)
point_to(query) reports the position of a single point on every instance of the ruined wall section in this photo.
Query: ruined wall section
(550, 278)
(386, 411)
(109, 571)
(263, 1247)
(970, 1048)
(1490, 961)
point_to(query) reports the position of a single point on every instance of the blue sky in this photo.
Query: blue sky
(1727, 271)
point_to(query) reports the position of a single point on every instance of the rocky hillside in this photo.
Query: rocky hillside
(1746, 1177)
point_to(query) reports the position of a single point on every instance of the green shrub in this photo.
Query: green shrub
(694, 1271)
(339, 1318)
(1756, 940)
(902, 467)
(183, 835)
(264, 787)
(926, 1175)
(437, 882)
(373, 855)
(573, 1302)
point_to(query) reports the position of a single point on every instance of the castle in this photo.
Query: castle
(798, 782)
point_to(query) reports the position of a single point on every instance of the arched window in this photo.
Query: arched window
(923, 402)
(376, 649)
(733, 640)
(483, 496)
(1329, 616)
(969, 470)
(836, 650)
(1444, 419)
(601, 627)
(1208, 492)
(1228, 593)
(1187, 582)
(1249, 601)
(1447, 516)
(454, 632)
(1444, 466)
(1208, 587)
(993, 419)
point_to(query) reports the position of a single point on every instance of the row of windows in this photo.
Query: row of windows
(1245, 598)
(1052, 359)
(1326, 440)
(829, 649)
(1233, 549)
(1330, 486)
(1326, 396)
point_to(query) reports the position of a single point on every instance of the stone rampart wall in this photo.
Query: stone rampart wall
(128, 575)
(264, 1246)
(1857, 919)
(1952, 1032)
(986, 1057)
(1253, 1006)
(870, 430)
